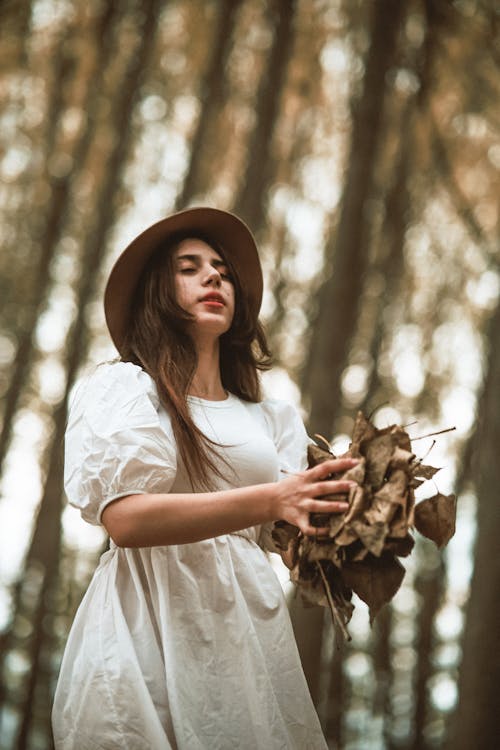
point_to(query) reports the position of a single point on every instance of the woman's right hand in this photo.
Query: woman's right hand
(297, 496)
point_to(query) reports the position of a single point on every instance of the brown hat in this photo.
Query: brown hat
(223, 228)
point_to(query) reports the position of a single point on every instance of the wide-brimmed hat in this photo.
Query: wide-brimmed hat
(221, 227)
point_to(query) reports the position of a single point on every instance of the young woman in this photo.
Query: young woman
(183, 639)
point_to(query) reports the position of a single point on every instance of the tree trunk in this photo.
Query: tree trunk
(391, 266)
(475, 723)
(212, 97)
(339, 297)
(60, 191)
(308, 629)
(383, 670)
(15, 21)
(44, 550)
(336, 698)
(250, 201)
(429, 584)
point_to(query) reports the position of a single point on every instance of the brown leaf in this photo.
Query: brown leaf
(360, 554)
(399, 547)
(372, 535)
(378, 452)
(435, 518)
(414, 482)
(422, 470)
(323, 551)
(340, 592)
(375, 580)
(356, 473)
(362, 430)
(387, 500)
(283, 533)
(399, 525)
(401, 437)
(357, 504)
(346, 536)
(401, 459)
(336, 523)
(316, 455)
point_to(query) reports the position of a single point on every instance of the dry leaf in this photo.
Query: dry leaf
(378, 452)
(363, 429)
(421, 470)
(361, 551)
(372, 535)
(283, 533)
(336, 523)
(375, 580)
(435, 518)
(356, 504)
(400, 547)
(401, 459)
(316, 455)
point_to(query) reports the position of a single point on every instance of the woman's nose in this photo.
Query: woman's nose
(213, 276)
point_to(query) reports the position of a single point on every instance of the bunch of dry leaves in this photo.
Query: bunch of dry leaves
(364, 543)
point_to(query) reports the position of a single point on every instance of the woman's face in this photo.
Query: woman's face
(203, 287)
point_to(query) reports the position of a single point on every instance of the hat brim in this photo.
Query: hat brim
(222, 227)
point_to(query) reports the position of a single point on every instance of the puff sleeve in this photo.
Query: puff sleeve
(115, 444)
(290, 438)
(288, 435)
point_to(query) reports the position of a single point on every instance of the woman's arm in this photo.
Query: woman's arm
(159, 519)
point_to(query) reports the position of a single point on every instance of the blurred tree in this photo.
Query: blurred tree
(213, 96)
(430, 586)
(15, 18)
(49, 226)
(50, 220)
(336, 697)
(381, 649)
(348, 247)
(34, 701)
(385, 274)
(250, 202)
(475, 720)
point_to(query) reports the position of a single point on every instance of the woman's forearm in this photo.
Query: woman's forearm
(151, 520)
(158, 519)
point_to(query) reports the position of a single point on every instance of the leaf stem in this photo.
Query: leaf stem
(439, 432)
(320, 439)
(333, 609)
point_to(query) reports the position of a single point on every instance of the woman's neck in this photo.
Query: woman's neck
(207, 382)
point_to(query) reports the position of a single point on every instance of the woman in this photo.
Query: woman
(183, 639)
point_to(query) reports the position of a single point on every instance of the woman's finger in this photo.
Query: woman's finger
(330, 487)
(332, 466)
(318, 532)
(327, 506)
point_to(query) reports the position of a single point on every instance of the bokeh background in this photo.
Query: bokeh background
(359, 140)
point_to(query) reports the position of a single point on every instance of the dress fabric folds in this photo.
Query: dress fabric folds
(182, 646)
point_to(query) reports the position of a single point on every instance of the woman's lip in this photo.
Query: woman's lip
(214, 302)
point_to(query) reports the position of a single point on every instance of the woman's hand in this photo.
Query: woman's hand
(296, 496)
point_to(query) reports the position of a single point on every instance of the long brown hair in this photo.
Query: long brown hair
(157, 341)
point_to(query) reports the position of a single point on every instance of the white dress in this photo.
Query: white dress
(183, 646)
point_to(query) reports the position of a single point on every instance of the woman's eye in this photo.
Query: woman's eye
(187, 270)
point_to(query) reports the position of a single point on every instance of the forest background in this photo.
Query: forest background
(359, 140)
